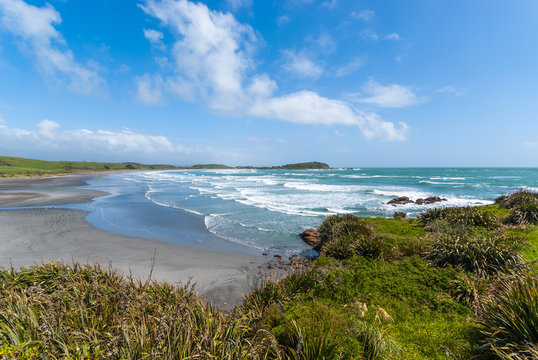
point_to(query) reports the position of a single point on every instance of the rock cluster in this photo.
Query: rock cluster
(312, 238)
(403, 200)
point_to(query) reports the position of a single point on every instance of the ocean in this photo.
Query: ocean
(256, 211)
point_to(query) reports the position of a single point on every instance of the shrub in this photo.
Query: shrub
(309, 345)
(461, 217)
(376, 344)
(400, 215)
(524, 214)
(346, 246)
(509, 319)
(516, 199)
(327, 226)
(481, 254)
(344, 236)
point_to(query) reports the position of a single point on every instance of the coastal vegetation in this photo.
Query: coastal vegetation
(17, 167)
(456, 283)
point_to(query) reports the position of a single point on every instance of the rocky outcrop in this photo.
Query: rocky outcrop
(429, 200)
(311, 237)
(402, 200)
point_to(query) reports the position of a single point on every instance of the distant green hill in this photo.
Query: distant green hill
(15, 166)
(210, 166)
(306, 166)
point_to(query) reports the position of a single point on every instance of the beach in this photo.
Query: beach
(35, 235)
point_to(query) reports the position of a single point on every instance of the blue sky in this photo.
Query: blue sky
(243, 82)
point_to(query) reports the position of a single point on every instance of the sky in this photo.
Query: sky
(403, 83)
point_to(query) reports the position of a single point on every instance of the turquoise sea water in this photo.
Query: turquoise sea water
(263, 210)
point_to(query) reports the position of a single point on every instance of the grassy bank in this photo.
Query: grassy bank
(19, 167)
(457, 283)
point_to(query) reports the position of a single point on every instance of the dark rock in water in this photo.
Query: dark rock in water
(432, 200)
(402, 200)
(419, 201)
(277, 256)
(311, 237)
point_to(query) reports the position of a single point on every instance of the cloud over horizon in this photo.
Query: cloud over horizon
(119, 144)
(214, 62)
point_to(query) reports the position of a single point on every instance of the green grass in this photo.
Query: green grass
(16, 167)
(404, 304)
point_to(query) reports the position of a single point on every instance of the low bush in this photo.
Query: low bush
(524, 214)
(483, 254)
(509, 319)
(327, 227)
(345, 236)
(516, 199)
(461, 218)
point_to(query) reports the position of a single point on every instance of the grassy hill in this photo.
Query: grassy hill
(15, 166)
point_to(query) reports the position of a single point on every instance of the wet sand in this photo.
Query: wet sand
(33, 236)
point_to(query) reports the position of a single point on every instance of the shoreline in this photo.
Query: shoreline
(33, 236)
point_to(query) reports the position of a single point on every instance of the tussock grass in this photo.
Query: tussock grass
(82, 311)
(517, 198)
(459, 218)
(483, 254)
(509, 318)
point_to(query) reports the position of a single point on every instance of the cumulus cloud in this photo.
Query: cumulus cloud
(213, 62)
(212, 50)
(301, 65)
(369, 34)
(48, 135)
(364, 15)
(307, 107)
(34, 27)
(389, 96)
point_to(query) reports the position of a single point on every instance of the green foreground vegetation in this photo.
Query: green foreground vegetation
(18, 167)
(456, 283)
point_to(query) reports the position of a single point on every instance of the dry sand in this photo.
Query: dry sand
(33, 236)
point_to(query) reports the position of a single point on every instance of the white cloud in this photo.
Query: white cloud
(452, 90)
(155, 37)
(234, 5)
(393, 36)
(283, 20)
(307, 107)
(330, 4)
(299, 64)
(213, 61)
(34, 28)
(212, 51)
(262, 86)
(349, 68)
(364, 15)
(149, 89)
(390, 96)
(49, 136)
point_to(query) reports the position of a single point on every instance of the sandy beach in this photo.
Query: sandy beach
(33, 236)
